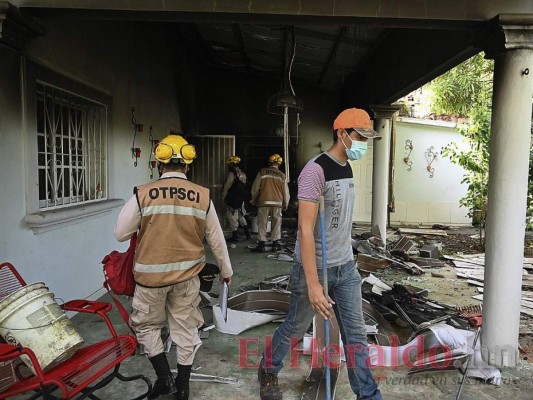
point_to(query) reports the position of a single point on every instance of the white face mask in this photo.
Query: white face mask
(357, 150)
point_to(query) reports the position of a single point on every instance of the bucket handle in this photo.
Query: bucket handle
(63, 314)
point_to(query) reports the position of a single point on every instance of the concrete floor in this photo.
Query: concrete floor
(220, 355)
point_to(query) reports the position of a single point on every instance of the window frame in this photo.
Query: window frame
(43, 220)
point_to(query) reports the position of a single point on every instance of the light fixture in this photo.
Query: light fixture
(285, 101)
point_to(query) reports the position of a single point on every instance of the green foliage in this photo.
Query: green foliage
(466, 90)
(463, 87)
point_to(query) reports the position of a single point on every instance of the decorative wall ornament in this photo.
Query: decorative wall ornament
(430, 155)
(406, 159)
(152, 163)
(135, 151)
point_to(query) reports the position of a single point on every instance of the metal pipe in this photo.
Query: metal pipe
(326, 290)
(286, 140)
(468, 363)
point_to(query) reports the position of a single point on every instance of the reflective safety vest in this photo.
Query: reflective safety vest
(272, 189)
(170, 245)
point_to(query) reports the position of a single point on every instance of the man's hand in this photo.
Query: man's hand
(318, 301)
(227, 280)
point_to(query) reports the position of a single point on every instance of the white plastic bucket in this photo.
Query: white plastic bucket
(32, 318)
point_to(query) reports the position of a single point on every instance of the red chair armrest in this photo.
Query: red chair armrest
(8, 351)
(92, 307)
(87, 306)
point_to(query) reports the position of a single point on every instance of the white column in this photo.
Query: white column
(507, 195)
(381, 165)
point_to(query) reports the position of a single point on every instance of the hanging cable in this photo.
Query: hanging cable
(293, 38)
(150, 166)
(133, 149)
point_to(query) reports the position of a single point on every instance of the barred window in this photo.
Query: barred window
(72, 150)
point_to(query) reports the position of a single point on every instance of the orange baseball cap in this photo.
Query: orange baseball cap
(358, 120)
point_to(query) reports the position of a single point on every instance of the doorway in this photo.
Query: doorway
(209, 168)
(362, 175)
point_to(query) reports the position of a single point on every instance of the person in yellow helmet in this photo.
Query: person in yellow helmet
(171, 216)
(234, 194)
(270, 194)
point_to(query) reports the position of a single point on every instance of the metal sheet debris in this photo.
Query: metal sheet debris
(224, 300)
(252, 308)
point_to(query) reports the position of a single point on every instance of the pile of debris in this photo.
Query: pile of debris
(472, 268)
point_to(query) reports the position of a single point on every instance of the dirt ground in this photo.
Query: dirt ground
(449, 289)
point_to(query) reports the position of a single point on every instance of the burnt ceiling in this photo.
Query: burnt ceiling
(322, 56)
(368, 60)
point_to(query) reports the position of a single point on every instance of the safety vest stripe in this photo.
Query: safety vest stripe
(176, 210)
(279, 178)
(271, 203)
(176, 266)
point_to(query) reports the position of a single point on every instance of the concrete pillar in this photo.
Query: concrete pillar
(381, 166)
(507, 194)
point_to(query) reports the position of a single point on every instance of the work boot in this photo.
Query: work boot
(234, 237)
(247, 232)
(165, 381)
(269, 389)
(182, 382)
(260, 248)
(276, 246)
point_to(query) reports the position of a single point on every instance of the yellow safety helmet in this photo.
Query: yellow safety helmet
(275, 158)
(233, 160)
(174, 148)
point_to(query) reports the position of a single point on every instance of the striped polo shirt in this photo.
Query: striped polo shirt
(324, 176)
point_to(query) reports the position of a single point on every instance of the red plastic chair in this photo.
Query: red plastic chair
(89, 369)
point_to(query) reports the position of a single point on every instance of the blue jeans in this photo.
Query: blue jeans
(344, 284)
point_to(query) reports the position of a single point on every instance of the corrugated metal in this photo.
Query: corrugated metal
(209, 168)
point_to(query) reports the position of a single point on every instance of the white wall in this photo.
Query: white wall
(135, 67)
(420, 199)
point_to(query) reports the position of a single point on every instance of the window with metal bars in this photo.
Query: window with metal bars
(71, 148)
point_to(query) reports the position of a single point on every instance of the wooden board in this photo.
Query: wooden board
(422, 231)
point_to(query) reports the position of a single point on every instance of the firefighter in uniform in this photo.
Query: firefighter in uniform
(270, 194)
(172, 217)
(235, 194)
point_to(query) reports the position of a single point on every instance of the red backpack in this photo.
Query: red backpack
(118, 270)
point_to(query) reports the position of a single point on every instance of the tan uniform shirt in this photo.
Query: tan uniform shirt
(129, 221)
(270, 188)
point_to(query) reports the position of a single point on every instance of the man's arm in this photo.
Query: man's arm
(307, 216)
(286, 195)
(255, 187)
(128, 221)
(217, 243)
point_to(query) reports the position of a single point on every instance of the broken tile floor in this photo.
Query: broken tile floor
(225, 355)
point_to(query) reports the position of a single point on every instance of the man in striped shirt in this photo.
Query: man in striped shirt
(327, 175)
